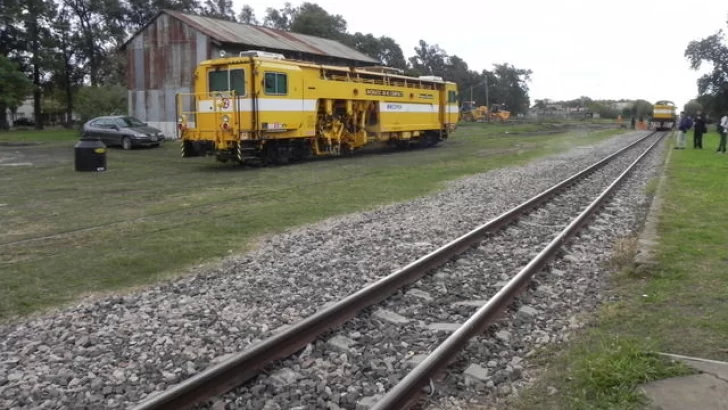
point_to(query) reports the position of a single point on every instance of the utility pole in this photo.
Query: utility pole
(487, 104)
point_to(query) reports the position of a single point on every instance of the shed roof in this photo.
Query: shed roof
(230, 32)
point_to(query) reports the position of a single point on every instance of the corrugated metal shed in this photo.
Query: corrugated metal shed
(162, 57)
(231, 33)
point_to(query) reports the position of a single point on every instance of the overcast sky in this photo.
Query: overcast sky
(610, 50)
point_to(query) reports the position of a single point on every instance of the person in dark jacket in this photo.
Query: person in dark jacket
(698, 131)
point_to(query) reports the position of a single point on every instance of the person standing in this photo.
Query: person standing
(683, 127)
(723, 131)
(698, 132)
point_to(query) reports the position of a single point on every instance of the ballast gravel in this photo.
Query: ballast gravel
(354, 365)
(558, 302)
(113, 352)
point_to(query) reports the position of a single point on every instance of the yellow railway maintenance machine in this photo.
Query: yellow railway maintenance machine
(664, 116)
(260, 106)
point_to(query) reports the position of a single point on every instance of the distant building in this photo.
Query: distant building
(24, 111)
(162, 56)
(25, 114)
(619, 106)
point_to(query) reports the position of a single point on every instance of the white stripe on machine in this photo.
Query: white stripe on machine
(406, 107)
(292, 105)
(264, 104)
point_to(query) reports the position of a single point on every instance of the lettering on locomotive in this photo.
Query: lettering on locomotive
(384, 93)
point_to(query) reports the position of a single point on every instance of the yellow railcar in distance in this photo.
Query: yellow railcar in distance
(664, 116)
(262, 107)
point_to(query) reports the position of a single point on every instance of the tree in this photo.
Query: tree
(247, 15)
(428, 59)
(711, 50)
(692, 107)
(281, 18)
(141, 12)
(511, 87)
(642, 108)
(308, 18)
(384, 49)
(105, 100)
(14, 88)
(220, 9)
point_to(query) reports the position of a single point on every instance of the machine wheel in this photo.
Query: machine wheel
(126, 143)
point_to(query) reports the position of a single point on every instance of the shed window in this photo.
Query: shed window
(276, 83)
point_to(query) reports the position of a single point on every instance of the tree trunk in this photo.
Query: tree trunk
(69, 99)
(37, 107)
(4, 118)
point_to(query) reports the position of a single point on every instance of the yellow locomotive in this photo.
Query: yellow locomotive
(664, 116)
(263, 107)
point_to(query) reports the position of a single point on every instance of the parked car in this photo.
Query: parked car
(122, 130)
(23, 122)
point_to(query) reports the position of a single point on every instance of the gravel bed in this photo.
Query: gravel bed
(367, 356)
(562, 296)
(111, 352)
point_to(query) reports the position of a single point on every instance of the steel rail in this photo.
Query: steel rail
(402, 395)
(244, 365)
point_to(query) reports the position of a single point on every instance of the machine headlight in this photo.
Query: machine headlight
(225, 118)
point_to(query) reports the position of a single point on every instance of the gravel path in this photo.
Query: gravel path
(367, 356)
(113, 352)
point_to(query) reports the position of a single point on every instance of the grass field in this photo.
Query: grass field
(677, 306)
(152, 214)
(31, 135)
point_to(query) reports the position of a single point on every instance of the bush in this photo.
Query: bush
(104, 100)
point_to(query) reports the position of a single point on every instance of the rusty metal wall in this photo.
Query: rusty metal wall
(161, 63)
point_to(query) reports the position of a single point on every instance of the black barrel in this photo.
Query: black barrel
(90, 155)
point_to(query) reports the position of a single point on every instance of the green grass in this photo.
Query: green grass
(152, 214)
(676, 306)
(597, 372)
(53, 134)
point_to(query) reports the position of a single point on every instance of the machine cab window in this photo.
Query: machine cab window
(276, 83)
(452, 97)
(224, 81)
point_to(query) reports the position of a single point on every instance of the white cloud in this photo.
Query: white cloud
(618, 49)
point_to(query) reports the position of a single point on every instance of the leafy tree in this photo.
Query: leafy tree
(642, 108)
(101, 100)
(712, 50)
(511, 87)
(429, 59)
(14, 88)
(692, 107)
(280, 18)
(384, 49)
(220, 9)
(247, 15)
(308, 18)
(540, 104)
(141, 12)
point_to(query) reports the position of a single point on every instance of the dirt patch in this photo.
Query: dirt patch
(33, 154)
(17, 144)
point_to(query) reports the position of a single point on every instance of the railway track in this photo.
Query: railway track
(524, 248)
